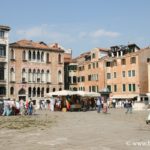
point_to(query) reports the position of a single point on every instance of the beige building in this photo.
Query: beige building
(126, 73)
(87, 71)
(35, 69)
(4, 44)
(122, 70)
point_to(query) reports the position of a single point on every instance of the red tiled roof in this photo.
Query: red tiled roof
(33, 45)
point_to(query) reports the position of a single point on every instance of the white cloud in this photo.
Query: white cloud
(103, 33)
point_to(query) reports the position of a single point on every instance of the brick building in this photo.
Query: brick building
(4, 44)
(35, 69)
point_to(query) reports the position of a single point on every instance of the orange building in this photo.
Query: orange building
(35, 69)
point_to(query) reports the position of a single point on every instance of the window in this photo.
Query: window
(115, 88)
(123, 62)
(2, 73)
(24, 55)
(133, 73)
(89, 77)
(12, 75)
(74, 79)
(130, 88)
(108, 75)
(2, 34)
(59, 58)
(129, 73)
(48, 76)
(2, 50)
(38, 76)
(115, 75)
(34, 75)
(42, 92)
(29, 55)
(134, 87)
(97, 65)
(109, 88)
(123, 74)
(47, 90)
(93, 65)
(82, 78)
(29, 92)
(29, 75)
(23, 75)
(2, 91)
(115, 63)
(59, 77)
(93, 55)
(42, 76)
(38, 92)
(42, 56)
(47, 57)
(123, 87)
(89, 66)
(34, 55)
(12, 91)
(133, 60)
(34, 92)
(93, 88)
(108, 64)
(38, 56)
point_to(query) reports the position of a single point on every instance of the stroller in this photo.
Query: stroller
(148, 119)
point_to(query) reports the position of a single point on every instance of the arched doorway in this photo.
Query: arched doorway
(22, 94)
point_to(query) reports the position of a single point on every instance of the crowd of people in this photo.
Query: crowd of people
(8, 108)
(22, 107)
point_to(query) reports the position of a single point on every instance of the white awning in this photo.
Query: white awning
(124, 96)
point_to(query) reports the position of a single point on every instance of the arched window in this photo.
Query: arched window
(34, 55)
(38, 56)
(29, 75)
(34, 92)
(12, 75)
(47, 90)
(29, 92)
(38, 92)
(22, 91)
(34, 75)
(12, 91)
(59, 77)
(48, 76)
(47, 57)
(29, 55)
(42, 56)
(59, 58)
(23, 55)
(42, 75)
(38, 76)
(42, 92)
(23, 75)
(60, 89)
(12, 54)
(54, 89)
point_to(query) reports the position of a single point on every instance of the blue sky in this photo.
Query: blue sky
(78, 24)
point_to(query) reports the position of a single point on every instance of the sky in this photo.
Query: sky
(80, 25)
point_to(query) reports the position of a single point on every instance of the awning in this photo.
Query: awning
(124, 96)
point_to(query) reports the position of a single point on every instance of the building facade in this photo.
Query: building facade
(87, 71)
(126, 73)
(4, 45)
(35, 69)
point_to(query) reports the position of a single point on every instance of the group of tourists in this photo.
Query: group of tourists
(13, 107)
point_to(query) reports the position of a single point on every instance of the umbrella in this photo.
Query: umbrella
(60, 93)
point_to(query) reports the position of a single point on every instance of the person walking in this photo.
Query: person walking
(99, 104)
(129, 106)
